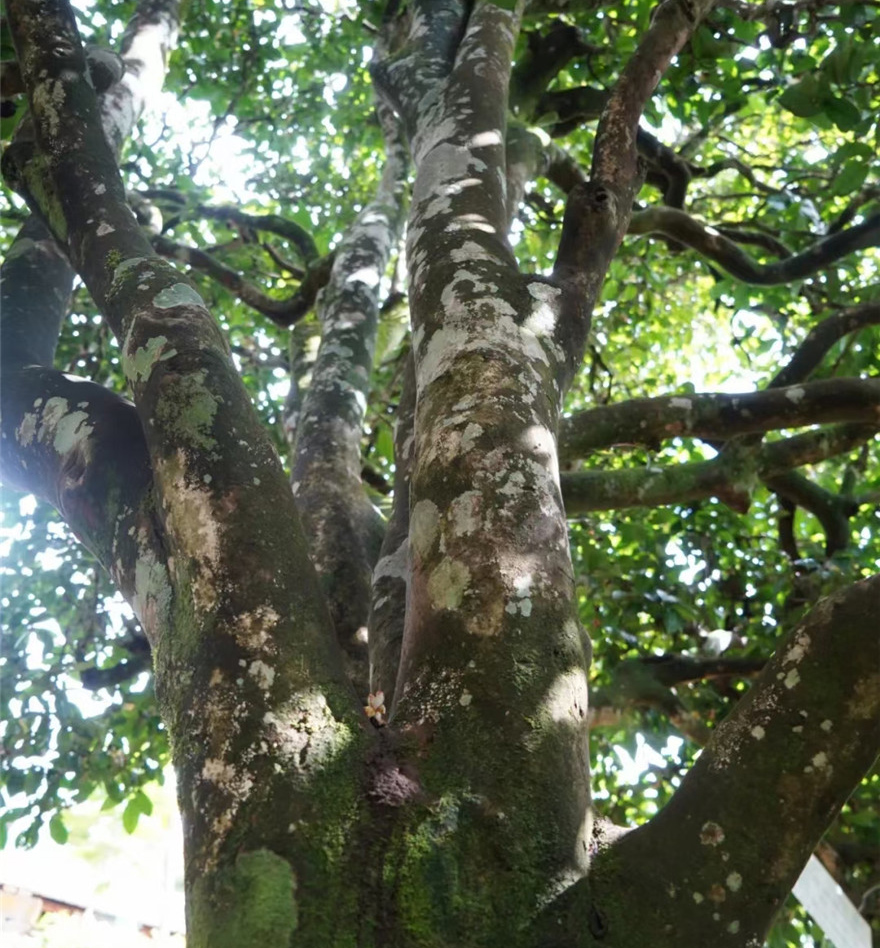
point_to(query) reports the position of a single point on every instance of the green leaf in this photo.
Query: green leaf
(130, 816)
(57, 829)
(804, 98)
(144, 803)
(843, 113)
(851, 178)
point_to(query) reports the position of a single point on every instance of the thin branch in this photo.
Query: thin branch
(719, 416)
(711, 243)
(283, 312)
(729, 477)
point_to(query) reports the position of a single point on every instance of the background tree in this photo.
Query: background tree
(635, 282)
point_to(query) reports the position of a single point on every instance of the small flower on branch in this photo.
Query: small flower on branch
(375, 708)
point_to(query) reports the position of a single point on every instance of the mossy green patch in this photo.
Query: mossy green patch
(188, 408)
(250, 904)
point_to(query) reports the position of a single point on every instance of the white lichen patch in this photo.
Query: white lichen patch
(698, 897)
(711, 834)
(679, 402)
(795, 394)
(253, 630)
(521, 606)
(130, 264)
(733, 927)
(820, 761)
(758, 732)
(797, 650)
(48, 101)
(464, 513)
(178, 294)
(465, 699)
(262, 674)
(104, 229)
(826, 725)
(152, 590)
(469, 437)
(71, 431)
(304, 731)
(423, 527)
(138, 365)
(27, 430)
(448, 583)
(791, 679)
(734, 882)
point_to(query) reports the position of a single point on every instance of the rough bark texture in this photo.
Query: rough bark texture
(465, 819)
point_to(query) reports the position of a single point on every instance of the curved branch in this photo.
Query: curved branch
(832, 510)
(711, 243)
(284, 312)
(719, 416)
(648, 682)
(729, 477)
(615, 156)
(821, 338)
(270, 223)
(789, 755)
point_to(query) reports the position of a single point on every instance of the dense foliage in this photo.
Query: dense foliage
(250, 169)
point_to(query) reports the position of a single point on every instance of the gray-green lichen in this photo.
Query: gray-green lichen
(140, 364)
(178, 294)
(188, 409)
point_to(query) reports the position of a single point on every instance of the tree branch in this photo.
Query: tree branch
(789, 755)
(717, 417)
(815, 345)
(284, 312)
(730, 478)
(615, 155)
(711, 243)
(344, 529)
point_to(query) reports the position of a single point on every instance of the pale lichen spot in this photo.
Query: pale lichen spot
(734, 882)
(448, 583)
(178, 294)
(758, 732)
(469, 437)
(678, 402)
(263, 674)
(27, 430)
(104, 229)
(795, 394)
(820, 761)
(698, 897)
(253, 630)
(464, 513)
(466, 698)
(826, 725)
(486, 139)
(139, 365)
(733, 927)
(423, 527)
(791, 679)
(711, 834)
(797, 650)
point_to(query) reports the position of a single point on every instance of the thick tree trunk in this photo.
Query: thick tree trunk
(466, 819)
